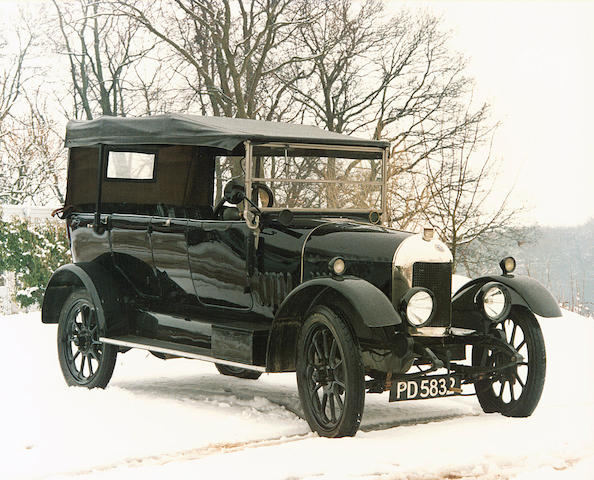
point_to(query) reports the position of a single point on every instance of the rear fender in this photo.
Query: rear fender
(524, 291)
(102, 285)
(363, 305)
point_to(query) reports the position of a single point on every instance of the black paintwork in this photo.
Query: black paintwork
(217, 286)
(189, 276)
(368, 251)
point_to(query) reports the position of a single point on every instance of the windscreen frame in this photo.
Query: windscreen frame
(250, 179)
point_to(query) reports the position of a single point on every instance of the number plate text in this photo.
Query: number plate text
(424, 387)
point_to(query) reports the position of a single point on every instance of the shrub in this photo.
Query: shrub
(32, 251)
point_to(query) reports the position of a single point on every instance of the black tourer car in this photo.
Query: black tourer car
(260, 247)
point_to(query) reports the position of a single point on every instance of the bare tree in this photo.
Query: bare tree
(460, 188)
(102, 51)
(12, 72)
(229, 51)
(396, 79)
(344, 76)
(33, 162)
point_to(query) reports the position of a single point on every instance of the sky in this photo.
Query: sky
(533, 61)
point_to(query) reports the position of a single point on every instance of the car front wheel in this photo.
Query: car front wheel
(513, 391)
(330, 375)
(85, 361)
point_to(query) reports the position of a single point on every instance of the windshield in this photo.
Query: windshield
(320, 178)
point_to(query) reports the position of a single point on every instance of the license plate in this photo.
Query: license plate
(433, 386)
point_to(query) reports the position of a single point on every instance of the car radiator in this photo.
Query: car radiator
(436, 277)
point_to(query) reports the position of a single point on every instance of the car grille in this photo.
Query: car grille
(436, 277)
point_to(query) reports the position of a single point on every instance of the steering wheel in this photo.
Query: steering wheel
(234, 193)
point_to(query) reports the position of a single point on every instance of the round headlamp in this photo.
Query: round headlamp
(508, 265)
(337, 266)
(418, 305)
(494, 300)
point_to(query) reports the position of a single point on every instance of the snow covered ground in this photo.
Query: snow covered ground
(181, 419)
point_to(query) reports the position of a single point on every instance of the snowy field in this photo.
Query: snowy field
(180, 419)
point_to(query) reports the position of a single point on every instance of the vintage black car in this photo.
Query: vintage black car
(259, 246)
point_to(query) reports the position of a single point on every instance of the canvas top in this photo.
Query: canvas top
(181, 129)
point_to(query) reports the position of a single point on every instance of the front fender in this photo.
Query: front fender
(524, 291)
(370, 303)
(367, 305)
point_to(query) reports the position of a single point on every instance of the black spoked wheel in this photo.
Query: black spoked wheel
(330, 375)
(237, 371)
(85, 361)
(513, 391)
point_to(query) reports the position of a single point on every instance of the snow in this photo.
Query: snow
(180, 418)
(458, 281)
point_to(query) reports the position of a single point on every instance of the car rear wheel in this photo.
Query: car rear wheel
(514, 391)
(84, 360)
(237, 371)
(330, 375)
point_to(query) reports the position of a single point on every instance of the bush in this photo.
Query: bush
(32, 251)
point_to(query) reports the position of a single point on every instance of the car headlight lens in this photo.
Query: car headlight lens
(418, 305)
(508, 265)
(495, 301)
(337, 266)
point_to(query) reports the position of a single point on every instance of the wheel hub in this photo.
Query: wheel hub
(83, 341)
(323, 374)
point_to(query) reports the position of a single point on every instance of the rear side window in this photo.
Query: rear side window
(123, 165)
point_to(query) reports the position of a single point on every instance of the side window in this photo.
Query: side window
(125, 165)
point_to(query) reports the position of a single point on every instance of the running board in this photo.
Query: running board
(178, 350)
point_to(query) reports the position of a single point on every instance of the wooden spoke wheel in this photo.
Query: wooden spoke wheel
(85, 361)
(514, 391)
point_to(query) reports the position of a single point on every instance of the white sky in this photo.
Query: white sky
(534, 63)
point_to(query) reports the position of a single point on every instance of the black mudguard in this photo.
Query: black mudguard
(101, 285)
(369, 306)
(524, 291)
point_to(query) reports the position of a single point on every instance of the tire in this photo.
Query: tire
(516, 391)
(84, 360)
(237, 372)
(330, 375)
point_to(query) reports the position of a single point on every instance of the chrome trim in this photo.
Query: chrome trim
(122, 343)
(303, 248)
(440, 332)
(415, 249)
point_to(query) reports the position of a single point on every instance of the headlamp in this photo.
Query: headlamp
(493, 298)
(418, 305)
(337, 266)
(508, 265)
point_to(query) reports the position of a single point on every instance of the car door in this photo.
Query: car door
(170, 257)
(131, 250)
(219, 252)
